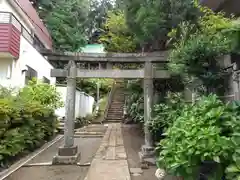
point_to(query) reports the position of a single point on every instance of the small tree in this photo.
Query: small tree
(117, 37)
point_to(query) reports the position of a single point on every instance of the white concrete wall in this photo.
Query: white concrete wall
(12, 72)
(84, 103)
(31, 57)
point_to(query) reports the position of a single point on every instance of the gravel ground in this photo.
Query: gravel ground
(88, 148)
(133, 140)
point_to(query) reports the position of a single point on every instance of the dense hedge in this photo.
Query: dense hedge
(199, 140)
(26, 120)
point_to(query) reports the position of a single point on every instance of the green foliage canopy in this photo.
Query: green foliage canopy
(72, 22)
(199, 47)
(117, 37)
(151, 21)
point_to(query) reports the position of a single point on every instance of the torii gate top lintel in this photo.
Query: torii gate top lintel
(109, 59)
(156, 57)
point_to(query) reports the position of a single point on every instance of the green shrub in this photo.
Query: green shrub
(233, 128)
(196, 136)
(135, 100)
(89, 86)
(26, 120)
(165, 113)
(44, 93)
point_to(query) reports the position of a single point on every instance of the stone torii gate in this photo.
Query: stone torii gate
(69, 154)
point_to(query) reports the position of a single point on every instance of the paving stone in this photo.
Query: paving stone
(108, 170)
(136, 171)
(110, 162)
(136, 174)
(110, 153)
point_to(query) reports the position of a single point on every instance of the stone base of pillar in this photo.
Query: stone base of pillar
(67, 155)
(147, 156)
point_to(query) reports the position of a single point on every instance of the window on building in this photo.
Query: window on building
(46, 80)
(9, 71)
(30, 74)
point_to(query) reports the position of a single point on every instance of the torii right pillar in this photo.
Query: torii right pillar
(147, 154)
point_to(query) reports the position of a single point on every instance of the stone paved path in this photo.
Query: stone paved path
(110, 162)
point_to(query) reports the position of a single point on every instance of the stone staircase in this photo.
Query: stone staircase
(91, 131)
(60, 125)
(115, 111)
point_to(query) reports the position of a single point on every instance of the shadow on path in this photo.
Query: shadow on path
(133, 138)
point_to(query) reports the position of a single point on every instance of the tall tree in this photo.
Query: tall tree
(72, 22)
(151, 21)
(98, 14)
(66, 21)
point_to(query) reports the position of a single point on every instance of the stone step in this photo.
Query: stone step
(61, 125)
(114, 115)
(115, 111)
(117, 101)
(119, 104)
(88, 133)
(114, 118)
(88, 136)
(116, 106)
(113, 121)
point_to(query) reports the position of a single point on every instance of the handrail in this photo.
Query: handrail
(110, 96)
(125, 100)
(9, 17)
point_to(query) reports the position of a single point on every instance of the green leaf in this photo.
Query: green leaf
(216, 159)
(232, 169)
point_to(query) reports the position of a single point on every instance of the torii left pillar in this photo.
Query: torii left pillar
(68, 153)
